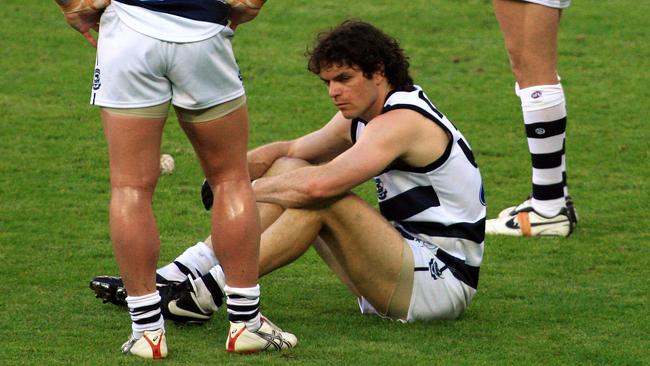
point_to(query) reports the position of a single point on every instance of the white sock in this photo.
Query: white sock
(145, 313)
(544, 111)
(244, 306)
(210, 289)
(195, 260)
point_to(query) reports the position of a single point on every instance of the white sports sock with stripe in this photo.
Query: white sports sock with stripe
(197, 259)
(244, 306)
(544, 112)
(145, 313)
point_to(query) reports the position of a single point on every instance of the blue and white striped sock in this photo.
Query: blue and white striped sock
(210, 289)
(244, 306)
(145, 313)
(544, 110)
(195, 260)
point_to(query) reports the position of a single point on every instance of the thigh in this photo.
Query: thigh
(221, 145)
(133, 149)
(130, 67)
(326, 255)
(366, 247)
(530, 34)
(205, 73)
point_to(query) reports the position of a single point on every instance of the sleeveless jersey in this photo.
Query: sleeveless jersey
(176, 21)
(441, 204)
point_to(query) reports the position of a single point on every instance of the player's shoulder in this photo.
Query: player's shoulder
(399, 117)
(403, 124)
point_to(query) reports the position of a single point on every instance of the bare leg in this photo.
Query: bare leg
(269, 213)
(134, 154)
(287, 239)
(221, 146)
(326, 255)
(530, 33)
(366, 246)
(366, 249)
(360, 246)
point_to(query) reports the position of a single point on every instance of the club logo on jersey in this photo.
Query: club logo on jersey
(381, 191)
(540, 131)
(536, 94)
(436, 272)
(96, 81)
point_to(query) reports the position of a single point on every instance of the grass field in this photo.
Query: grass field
(576, 301)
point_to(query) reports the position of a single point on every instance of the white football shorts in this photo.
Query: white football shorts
(558, 4)
(133, 70)
(437, 294)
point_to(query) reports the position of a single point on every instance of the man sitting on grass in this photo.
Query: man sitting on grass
(418, 257)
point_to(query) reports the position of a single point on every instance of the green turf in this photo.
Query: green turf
(576, 301)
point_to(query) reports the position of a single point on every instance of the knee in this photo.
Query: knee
(530, 68)
(132, 193)
(142, 181)
(284, 164)
(518, 63)
(517, 69)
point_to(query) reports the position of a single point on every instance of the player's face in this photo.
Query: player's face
(352, 93)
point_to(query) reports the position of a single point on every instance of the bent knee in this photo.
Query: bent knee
(236, 179)
(285, 164)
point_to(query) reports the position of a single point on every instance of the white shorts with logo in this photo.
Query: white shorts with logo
(436, 294)
(558, 4)
(134, 70)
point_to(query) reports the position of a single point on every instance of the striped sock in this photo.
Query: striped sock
(209, 289)
(145, 313)
(244, 306)
(544, 111)
(195, 260)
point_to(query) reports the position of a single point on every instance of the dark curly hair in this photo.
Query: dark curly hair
(355, 43)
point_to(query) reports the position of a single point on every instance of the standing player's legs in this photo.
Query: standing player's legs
(210, 103)
(134, 156)
(130, 85)
(530, 33)
(221, 145)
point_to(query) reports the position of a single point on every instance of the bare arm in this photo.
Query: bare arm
(316, 147)
(397, 134)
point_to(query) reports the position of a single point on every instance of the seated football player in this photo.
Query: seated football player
(418, 256)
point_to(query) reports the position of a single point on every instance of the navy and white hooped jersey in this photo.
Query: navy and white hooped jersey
(174, 20)
(442, 203)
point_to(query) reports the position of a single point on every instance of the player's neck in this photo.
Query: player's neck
(378, 106)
